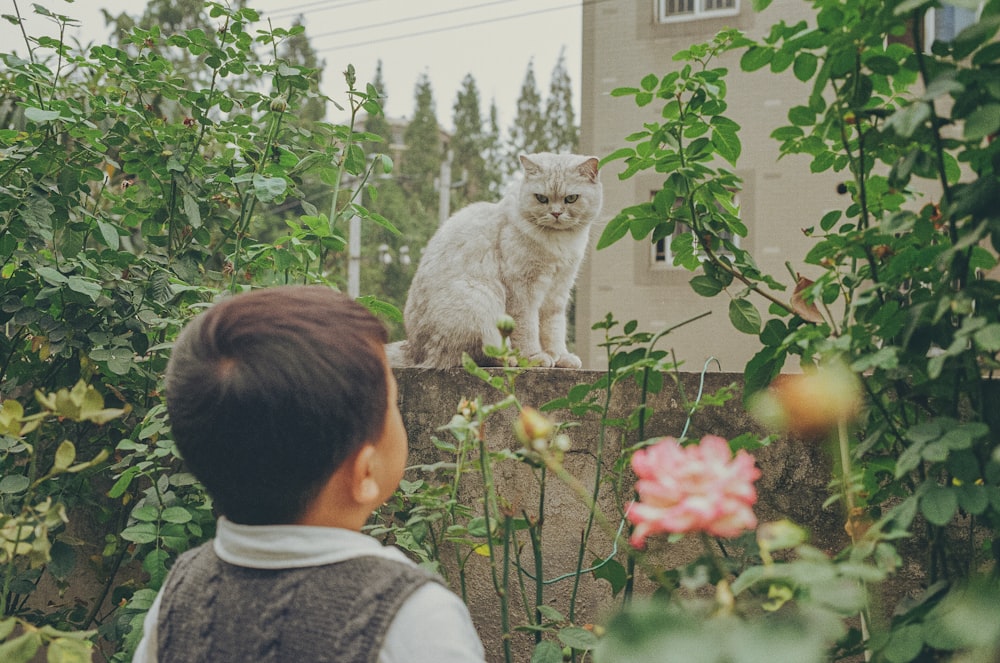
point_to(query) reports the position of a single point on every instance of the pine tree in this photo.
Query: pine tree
(527, 134)
(496, 159)
(561, 130)
(467, 146)
(421, 161)
(377, 123)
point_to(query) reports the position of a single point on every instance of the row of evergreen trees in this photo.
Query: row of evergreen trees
(482, 156)
(482, 159)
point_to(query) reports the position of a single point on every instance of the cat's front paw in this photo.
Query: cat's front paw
(541, 360)
(568, 360)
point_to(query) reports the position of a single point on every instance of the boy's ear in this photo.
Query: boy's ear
(364, 486)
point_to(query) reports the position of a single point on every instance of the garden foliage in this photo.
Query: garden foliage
(129, 196)
(906, 293)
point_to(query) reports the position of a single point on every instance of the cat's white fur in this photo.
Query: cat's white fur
(519, 257)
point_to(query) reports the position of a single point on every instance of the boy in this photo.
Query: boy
(283, 405)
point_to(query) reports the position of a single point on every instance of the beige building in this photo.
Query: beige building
(622, 42)
(626, 40)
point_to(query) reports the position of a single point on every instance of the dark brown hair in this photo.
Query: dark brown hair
(269, 391)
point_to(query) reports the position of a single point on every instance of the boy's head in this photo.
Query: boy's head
(269, 392)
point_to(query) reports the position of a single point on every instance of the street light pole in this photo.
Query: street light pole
(354, 258)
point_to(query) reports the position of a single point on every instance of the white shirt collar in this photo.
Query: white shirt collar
(293, 546)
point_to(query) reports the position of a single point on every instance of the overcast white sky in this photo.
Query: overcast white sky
(492, 40)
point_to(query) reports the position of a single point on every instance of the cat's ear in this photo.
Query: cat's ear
(589, 168)
(530, 167)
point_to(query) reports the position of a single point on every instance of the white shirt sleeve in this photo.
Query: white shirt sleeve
(146, 651)
(432, 626)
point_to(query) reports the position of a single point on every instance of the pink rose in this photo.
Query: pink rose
(698, 488)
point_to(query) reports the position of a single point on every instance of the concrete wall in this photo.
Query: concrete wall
(793, 485)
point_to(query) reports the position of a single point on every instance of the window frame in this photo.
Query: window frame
(699, 13)
(662, 258)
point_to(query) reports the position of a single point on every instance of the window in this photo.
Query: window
(662, 257)
(940, 24)
(686, 10)
(945, 22)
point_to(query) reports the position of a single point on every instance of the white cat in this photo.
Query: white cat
(519, 256)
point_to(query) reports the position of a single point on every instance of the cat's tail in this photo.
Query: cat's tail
(398, 354)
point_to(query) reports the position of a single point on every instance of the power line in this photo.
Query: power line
(408, 19)
(469, 24)
(320, 5)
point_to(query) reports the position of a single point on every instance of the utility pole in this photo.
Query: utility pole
(354, 257)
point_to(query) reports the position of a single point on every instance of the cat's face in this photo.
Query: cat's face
(560, 191)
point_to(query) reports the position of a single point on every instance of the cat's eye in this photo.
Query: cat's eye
(572, 198)
(542, 199)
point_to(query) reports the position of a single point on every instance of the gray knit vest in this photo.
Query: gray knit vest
(214, 612)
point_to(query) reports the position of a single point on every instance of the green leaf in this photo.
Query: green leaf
(192, 212)
(939, 505)
(614, 572)
(909, 460)
(577, 638)
(176, 514)
(905, 644)
(69, 650)
(973, 499)
(13, 484)
(268, 189)
(727, 144)
(620, 153)
(62, 560)
(39, 115)
(109, 234)
(982, 122)
(155, 564)
(801, 116)
(910, 118)
(614, 231)
(84, 286)
(756, 57)
(7, 627)
(551, 614)
(140, 533)
(988, 338)
(744, 316)
(805, 66)
(123, 482)
(881, 64)
(22, 648)
(65, 455)
(51, 275)
(706, 286)
(547, 651)
(379, 307)
(924, 432)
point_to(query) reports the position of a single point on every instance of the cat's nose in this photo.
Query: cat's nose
(556, 214)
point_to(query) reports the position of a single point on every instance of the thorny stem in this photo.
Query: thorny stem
(843, 444)
(488, 505)
(535, 533)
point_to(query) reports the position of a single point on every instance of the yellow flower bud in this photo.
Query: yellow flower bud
(532, 425)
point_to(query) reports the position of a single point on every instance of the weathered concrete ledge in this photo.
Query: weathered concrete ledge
(793, 484)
